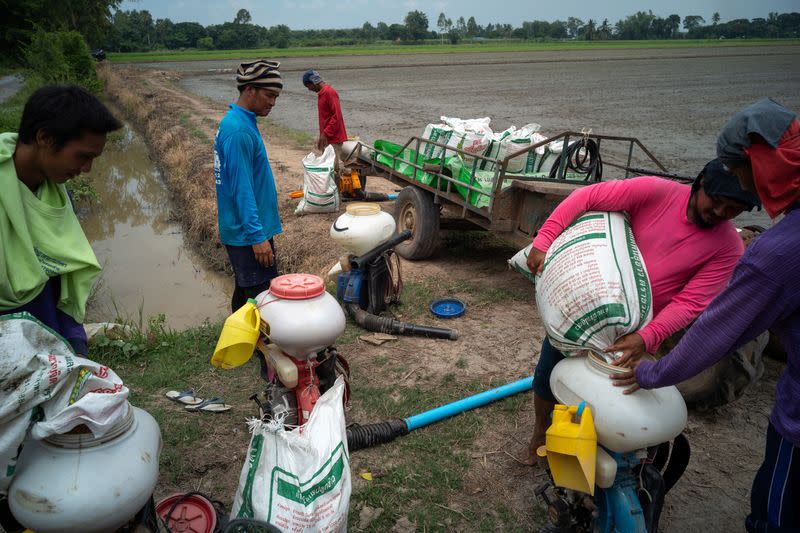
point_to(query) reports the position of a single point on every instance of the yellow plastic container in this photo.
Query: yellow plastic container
(572, 449)
(238, 337)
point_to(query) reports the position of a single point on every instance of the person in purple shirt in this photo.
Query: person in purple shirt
(761, 146)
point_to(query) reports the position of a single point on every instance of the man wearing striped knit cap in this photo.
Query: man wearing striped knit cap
(247, 200)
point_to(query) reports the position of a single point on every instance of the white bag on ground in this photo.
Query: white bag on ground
(299, 480)
(320, 194)
(594, 287)
(42, 379)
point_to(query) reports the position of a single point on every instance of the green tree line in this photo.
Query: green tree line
(22, 19)
(103, 24)
(137, 31)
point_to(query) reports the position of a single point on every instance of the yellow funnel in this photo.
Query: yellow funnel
(572, 448)
(238, 337)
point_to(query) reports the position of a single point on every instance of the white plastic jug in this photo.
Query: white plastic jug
(624, 422)
(362, 227)
(303, 318)
(76, 482)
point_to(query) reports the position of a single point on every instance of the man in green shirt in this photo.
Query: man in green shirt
(47, 266)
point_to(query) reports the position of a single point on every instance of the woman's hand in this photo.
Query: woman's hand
(631, 347)
(535, 261)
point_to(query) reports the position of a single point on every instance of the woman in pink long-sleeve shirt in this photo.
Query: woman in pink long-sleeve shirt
(689, 247)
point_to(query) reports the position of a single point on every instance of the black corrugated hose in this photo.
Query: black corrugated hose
(583, 157)
(369, 435)
(383, 324)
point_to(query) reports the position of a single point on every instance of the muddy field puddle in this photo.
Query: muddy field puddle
(147, 267)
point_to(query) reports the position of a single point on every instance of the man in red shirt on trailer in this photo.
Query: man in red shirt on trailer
(331, 123)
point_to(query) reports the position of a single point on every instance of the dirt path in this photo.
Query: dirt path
(501, 335)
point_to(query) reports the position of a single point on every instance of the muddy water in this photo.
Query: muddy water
(145, 261)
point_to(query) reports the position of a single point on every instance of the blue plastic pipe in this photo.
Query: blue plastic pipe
(471, 402)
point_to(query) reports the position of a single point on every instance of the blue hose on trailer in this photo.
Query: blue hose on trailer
(366, 436)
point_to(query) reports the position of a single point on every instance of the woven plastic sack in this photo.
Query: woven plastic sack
(594, 286)
(439, 133)
(299, 480)
(45, 389)
(320, 194)
(520, 263)
(474, 144)
(518, 141)
(475, 125)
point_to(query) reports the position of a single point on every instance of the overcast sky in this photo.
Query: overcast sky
(316, 14)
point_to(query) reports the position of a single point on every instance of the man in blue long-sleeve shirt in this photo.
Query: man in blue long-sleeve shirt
(247, 200)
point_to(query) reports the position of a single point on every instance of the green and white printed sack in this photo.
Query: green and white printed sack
(520, 263)
(320, 194)
(439, 133)
(594, 286)
(299, 480)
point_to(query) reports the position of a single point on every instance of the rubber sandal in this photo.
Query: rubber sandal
(185, 397)
(212, 405)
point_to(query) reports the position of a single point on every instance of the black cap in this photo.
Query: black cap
(717, 181)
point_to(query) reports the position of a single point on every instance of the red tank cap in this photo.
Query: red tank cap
(297, 286)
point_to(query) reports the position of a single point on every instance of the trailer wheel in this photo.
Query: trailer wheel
(414, 210)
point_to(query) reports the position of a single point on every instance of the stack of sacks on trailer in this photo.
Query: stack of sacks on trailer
(475, 137)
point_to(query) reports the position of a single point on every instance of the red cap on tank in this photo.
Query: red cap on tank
(297, 286)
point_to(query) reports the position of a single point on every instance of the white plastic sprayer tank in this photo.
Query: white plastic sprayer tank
(302, 317)
(624, 422)
(362, 227)
(77, 482)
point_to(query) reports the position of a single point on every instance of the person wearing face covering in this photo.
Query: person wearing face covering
(761, 146)
(689, 247)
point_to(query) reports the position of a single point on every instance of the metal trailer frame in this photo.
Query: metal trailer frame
(514, 212)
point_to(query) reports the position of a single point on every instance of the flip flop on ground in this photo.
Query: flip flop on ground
(212, 405)
(185, 397)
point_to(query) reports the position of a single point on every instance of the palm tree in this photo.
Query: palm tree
(605, 30)
(589, 30)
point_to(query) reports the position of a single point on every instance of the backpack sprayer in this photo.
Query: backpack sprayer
(368, 283)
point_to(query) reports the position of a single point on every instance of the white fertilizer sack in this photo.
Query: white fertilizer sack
(299, 480)
(439, 133)
(475, 125)
(594, 286)
(320, 194)
(520, 263)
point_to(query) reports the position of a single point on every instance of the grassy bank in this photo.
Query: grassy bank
(394, 49)
(429, 480)
(180, 143)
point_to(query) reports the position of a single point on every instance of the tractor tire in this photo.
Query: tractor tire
(414, 210)
(726, 380)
